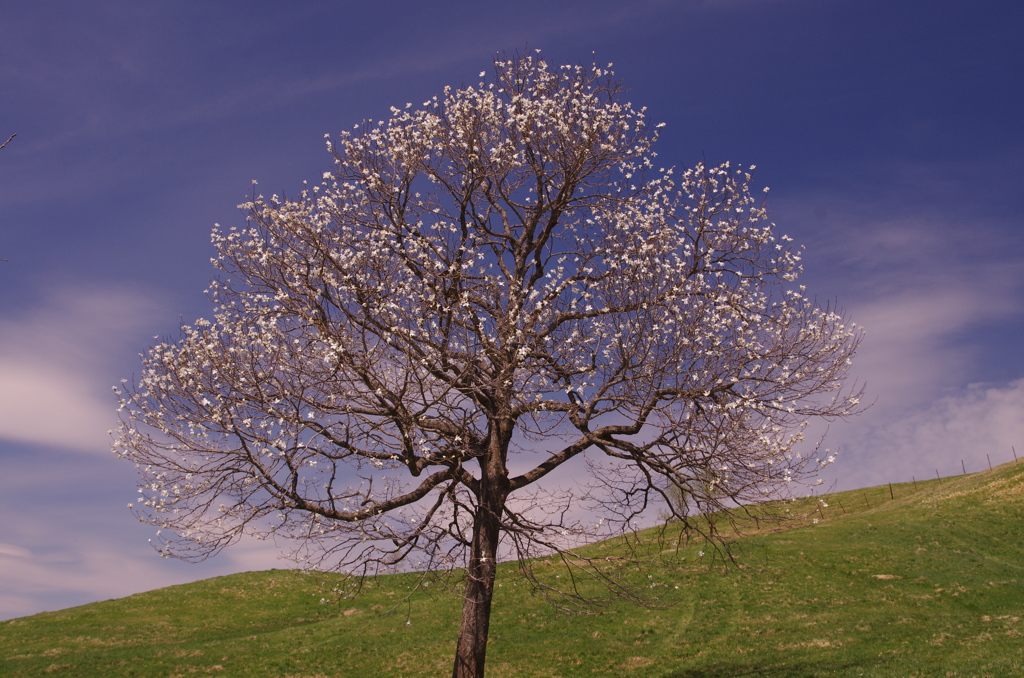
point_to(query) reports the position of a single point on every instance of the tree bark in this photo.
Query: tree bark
(476, 606)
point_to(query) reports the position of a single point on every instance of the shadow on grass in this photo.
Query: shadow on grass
(794, 669)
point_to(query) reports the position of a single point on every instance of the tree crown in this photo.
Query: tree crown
(480, 291)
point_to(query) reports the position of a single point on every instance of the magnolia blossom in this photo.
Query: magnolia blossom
(481, 291)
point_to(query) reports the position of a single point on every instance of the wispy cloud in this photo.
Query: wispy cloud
(56, 366)
(81, 573)
(966, 428)
(68, 538)
(915, 344)
(933, 289)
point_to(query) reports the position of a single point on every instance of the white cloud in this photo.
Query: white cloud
(56, 362)
(102, 568)
(975, 425)
(53, 405)
(936, 292)
(915, 343)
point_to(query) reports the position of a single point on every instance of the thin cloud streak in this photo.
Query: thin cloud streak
(909, 352)
(139, 125)
(68, 537)
(123, 54)
(57, 362)
(926, 287)
(82, 573)
(968, 428)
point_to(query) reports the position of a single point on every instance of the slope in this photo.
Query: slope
(920, 579)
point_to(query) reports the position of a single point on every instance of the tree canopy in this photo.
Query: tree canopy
(483, 290)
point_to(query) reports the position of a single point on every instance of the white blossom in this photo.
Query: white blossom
(496, 280)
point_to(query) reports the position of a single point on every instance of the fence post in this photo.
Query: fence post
(989, 461)
(890, 493)
(963, 467)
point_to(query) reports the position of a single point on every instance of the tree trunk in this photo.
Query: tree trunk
(476, 607)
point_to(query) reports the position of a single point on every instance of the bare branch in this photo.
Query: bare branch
(499, 274)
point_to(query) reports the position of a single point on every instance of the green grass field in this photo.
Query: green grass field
(930, 583)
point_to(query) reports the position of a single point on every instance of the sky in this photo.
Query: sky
(889, 133)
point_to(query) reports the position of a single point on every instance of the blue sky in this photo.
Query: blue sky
(889, 132)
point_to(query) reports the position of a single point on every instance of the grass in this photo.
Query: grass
(929, 582)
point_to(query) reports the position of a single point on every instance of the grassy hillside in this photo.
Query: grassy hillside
(930, 583)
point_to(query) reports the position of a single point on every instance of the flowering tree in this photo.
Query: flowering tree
(480, 292)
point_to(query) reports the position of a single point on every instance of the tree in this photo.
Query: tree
(482, 291)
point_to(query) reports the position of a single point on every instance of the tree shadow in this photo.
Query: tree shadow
(794, 669)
